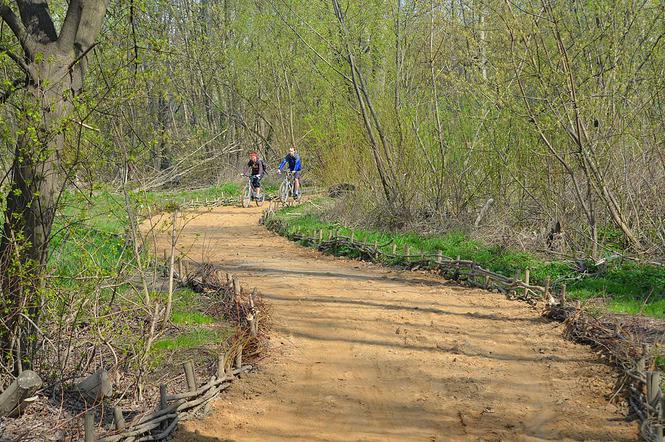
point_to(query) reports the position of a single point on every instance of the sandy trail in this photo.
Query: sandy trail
(364, 353)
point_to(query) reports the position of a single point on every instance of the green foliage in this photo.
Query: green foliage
(191, 318)
(193, 338)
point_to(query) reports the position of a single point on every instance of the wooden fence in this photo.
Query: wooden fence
(175, 407)
(641, 386)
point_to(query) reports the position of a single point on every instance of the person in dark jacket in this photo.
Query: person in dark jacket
(292, 159)
(254, 169)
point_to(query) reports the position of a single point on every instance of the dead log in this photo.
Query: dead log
(96, 386)
(13, 399)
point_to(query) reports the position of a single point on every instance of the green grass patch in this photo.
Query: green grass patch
(173, 197)
(90, 240)
(627, 287)
(89, 236)
(193, 338)
(163, 199)
(191, 318)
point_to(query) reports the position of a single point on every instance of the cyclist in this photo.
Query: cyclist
(293, 160)
(255, 170)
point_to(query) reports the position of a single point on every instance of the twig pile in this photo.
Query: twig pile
(632, 345)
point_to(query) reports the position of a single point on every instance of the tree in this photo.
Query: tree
(53, 65)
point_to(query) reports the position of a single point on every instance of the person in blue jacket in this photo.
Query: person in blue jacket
(293, 160)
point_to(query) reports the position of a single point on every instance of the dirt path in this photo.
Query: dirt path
(364, 353)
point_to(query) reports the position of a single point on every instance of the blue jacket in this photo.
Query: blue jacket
(293, 162)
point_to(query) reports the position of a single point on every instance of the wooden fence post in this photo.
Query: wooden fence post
(353, 237)
(526, 280)
(394, 248)
(653, 386)
(376, 249)
(439, 256)
(24, 387)
(221, 365)
(96, 385)
(547, 287)
(238, 361)
(237, 290)
(487, 282)
(189, 375)
(118, 419)
(162, 397)
(563, 294)
(163, 402)
(89, 427)
(407, 252)
(320, 236)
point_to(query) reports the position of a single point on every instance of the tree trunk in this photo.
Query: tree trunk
(31, 205)
(54, 66)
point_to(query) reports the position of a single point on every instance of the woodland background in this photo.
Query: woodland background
(536, 125)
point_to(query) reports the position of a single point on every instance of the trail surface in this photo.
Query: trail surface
(364, 353)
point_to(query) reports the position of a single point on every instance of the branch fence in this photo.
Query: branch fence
(176, 407)
(635, 358)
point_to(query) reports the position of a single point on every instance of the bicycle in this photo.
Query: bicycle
(287, 187)
(249, 194)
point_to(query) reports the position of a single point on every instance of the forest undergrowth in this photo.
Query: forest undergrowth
(104, 308)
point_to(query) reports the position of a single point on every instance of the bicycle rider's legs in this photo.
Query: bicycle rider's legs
(256, 185)
(296, 181)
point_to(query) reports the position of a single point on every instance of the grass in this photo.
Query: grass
(163, 199)
(91, 239)
(89, 236)
(172, 197)
(625, 286)
(193, 338)
(195, 328)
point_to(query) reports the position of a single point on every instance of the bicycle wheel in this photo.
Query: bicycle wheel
(247, 196)
(283, 192)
